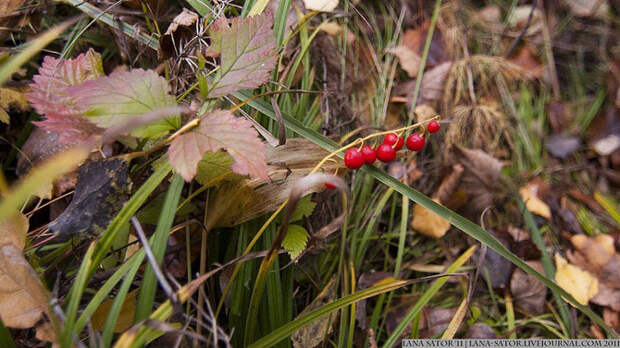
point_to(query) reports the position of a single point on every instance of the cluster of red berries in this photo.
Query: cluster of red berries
(386, 152)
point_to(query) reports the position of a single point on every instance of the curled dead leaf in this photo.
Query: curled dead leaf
(429, 223)
(529, 293)
(529, 195)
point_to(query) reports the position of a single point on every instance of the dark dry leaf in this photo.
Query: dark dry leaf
(480, 330)
(497, 267)
(528, 292)
(102, 189)
(179, 31)
(561, 146)
(314, 333)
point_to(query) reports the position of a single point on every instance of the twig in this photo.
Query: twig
(549, 53)
(522, 33)
(149, 255)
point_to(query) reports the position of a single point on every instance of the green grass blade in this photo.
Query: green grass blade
(5, 337)
(203, 7)
(455, 219)
(158, 246)
(426, 296)
(286, 330)
(545, 260)
(12, 65)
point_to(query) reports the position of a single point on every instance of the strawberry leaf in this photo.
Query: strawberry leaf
(127, 94)
(50, 94)
(295, 240)
(247, 48)
(220, 130)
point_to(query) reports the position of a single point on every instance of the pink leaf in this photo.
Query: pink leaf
(50, 94)
(247, 47)
(220, 129)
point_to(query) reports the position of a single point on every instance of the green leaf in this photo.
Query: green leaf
(213, 166)
(304, 208)
(295, 240)
(247, 48)
(112, 99)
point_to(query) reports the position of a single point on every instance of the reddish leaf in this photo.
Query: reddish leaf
(247, 47)
(50, 94)
(220, 130)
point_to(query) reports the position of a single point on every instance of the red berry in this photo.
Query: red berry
(392, 139)
(353, 159)
(370, 156)
(386, 153)
(433, 126)
(330, 186)
(415, 142)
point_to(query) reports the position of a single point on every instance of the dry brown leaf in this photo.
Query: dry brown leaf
(429, 223)
(181, 28)
(321, 5)
(23, 299)
(529, 293)
(577, 282)
(125, 317)
(7, 7)
(527, 60)
(433, 82)
(529, 195)
(314, 334)
(240, 201)
(13, 231)
(409, 60)
(588, 8)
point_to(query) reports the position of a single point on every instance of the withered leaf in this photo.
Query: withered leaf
(495, 265)
(529, 293)
(102, 188)
(180, 29)
(576, 281)
(313, 334)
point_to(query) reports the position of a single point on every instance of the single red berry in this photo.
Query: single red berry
(392, 139)
(330, 185)
(433, 126)
(370, 156)
(353, 159)
(386, 153)
(415, 142)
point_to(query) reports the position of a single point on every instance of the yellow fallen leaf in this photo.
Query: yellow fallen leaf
(11, 98)
(429, 223)
(529, 195)
(321, 5)
(125, 317)
(13, 231)
(409, 60)
(577, 282)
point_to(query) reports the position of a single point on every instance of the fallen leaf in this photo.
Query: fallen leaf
(42, 144)
(611, 318)
(235, 202)
(181, 28)
(519, 16)
(50, 94)
(315, 333)
(588, 8)
(220, 130)
(494, 265)
(433, 82)
(598, 256)
(606, 145)
(527, 60)
(577, 282)
(409, 60)
(13, 231)
(529, 293)
(481, 331)
(562, 146)
(125, 317)
(415, 39)
(321, 5)
(23, 299)
(429, 223)
(481, 179)
(102, 189)
(529, 195)
(247, 50)
(559, 115)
